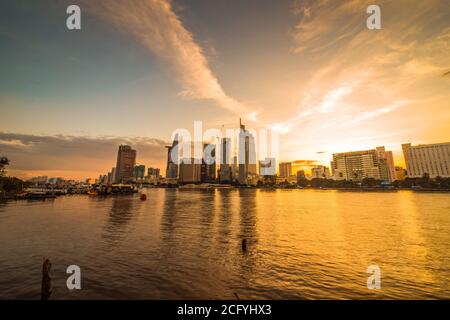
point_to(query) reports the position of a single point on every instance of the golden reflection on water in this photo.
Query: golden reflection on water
(313, 244)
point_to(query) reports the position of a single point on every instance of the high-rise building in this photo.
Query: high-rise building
(153, 172)
(225, 173)
(246, 155)
(109, 179)
(357, 165)
(172, 160)
(126, 160)
(386, 163)
(113, 175)
(139, 172)
(431, 159)
(285, 169)
(208, 168)
(320, 172)
(190, 170)
(235, 169)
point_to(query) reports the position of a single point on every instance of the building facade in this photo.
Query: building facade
(268, 167)
(172, 160)
(246, 155)
(357, 165)
(225, 173)
(208, 169)
(190, 170)
(126, 160)
(139, 172)
(285, 169)
(153, 172)
(400, 173)
(431, 159)
(320, 172)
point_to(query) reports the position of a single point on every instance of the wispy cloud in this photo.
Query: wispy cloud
(155, 24)
(360, 79)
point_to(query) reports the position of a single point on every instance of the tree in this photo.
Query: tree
(4, 161)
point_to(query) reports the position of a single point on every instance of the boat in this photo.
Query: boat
(123, 189)
(92, 193)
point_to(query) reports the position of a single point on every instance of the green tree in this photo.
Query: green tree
(4, 161)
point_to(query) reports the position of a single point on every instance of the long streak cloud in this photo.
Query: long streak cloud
(158, 28)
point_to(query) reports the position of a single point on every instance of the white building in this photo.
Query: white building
(357, 165)
(433, 159)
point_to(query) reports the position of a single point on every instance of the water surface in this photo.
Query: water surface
(184, 244)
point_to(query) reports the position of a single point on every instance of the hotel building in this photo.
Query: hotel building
(432, 159)
(357, 165)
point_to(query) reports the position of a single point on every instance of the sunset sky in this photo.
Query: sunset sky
(139, 69)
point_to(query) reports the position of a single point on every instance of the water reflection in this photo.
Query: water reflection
(121, 212)
(186, 244)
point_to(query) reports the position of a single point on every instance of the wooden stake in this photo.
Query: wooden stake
(46, 286)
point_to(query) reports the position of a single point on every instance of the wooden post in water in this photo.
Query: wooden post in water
(244, 245)
(46, 286)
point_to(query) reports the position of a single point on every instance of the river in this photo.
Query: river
(186, 244)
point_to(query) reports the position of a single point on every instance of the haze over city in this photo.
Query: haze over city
(138, 70)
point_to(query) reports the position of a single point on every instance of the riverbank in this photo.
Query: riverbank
(50, 196)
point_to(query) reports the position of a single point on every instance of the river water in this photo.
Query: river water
(186, 244)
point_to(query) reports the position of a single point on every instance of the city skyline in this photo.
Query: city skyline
(316, 73)
(378, 164)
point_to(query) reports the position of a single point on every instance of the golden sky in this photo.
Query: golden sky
(140, 69)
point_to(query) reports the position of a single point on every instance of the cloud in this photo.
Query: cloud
(358, 74)
(359, 81)
(74, 156)
(158, 28)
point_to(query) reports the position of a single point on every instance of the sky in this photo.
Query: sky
(140, 69)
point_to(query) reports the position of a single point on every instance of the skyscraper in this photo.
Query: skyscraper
(113, 175)
(139, 172)
(225, 173)
(208, 169)
(246, 154)
(190, 170)
(433, 159)
(126, 160)
(172, 160)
